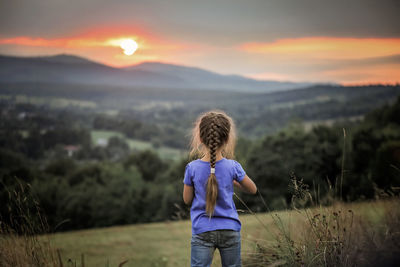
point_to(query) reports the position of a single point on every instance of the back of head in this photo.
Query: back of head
(213, 130)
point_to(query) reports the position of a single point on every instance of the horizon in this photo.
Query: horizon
(343, 43)
(195, 67)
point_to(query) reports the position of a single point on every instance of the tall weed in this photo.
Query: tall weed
(19, 244)
(343, 234)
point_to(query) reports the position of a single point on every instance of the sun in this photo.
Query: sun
(129, 46)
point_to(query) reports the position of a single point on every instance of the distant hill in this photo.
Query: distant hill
(74, 70)
(67, 59)
(66, 68)
(203, 79)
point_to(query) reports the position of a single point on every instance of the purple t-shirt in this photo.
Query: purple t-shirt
(225, 215)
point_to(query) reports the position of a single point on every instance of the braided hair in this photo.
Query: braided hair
(214, 132)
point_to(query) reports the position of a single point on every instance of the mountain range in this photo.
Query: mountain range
(71, 69)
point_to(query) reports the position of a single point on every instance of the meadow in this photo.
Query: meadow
(358, 234)
(54, 102)
(137, 145)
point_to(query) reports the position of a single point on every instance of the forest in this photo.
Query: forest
(80, 184)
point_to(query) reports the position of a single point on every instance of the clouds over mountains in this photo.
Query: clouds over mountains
(308, 40)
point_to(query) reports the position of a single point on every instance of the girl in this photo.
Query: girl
(208, 188)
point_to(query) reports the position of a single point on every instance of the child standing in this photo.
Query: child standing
(208, 188)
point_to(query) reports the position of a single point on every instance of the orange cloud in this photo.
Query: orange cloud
(86, 41)
(145, 39)
(327, 47)
(269, 76)
(103, 44)
(342, 60)
(384, 74)
(60, 42)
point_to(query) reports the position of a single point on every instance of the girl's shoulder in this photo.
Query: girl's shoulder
(231, 162)
(194, 162)
(223, 162)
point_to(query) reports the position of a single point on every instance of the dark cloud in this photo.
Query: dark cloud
(337, 64)
(394, 59)
(354, 63)
(222, 22)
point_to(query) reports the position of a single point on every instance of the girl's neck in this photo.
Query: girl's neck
(218, 155)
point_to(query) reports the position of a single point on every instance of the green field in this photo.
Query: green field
(138, 145)
(168, 243)
(53, 102)
(152, 244)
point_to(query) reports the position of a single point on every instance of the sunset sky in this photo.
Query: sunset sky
(348, 42)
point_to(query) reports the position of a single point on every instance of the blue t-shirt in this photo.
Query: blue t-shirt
(225, 215)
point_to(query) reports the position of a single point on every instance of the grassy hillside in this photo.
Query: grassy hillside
(137, 145)
(366, 225)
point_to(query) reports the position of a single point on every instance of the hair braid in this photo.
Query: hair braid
(212, 183)
(213, 131)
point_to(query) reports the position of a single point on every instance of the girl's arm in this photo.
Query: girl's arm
(246, 185)
(188, 194)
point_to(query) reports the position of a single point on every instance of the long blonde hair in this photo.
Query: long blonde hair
(213, 130)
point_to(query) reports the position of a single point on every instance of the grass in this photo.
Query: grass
(164, 152)
(19, 240)
(153, 244)
(304, 102)
(168, 244)
(342, 234)
(284, 238)
(54, 102)
(96, 134)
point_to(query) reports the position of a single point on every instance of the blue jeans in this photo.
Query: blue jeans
(204, 244)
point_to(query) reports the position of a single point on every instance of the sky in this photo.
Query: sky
(341, 41)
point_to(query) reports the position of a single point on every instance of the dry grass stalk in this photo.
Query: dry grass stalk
(339, 235)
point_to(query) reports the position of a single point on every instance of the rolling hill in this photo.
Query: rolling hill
(66, 68)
